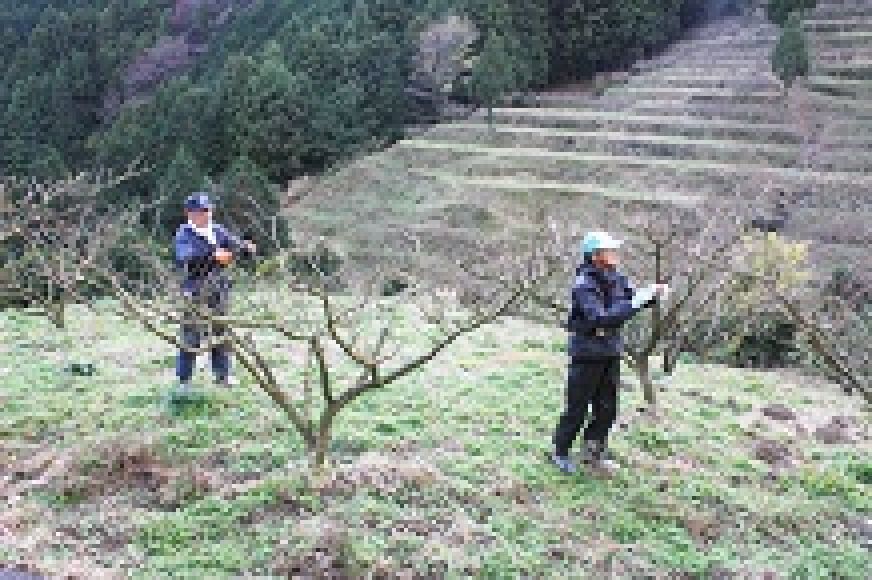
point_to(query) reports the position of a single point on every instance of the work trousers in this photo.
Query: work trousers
(194, 329)
(589, 383)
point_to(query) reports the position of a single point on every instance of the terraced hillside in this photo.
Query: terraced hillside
(842, 40)
(706, 118)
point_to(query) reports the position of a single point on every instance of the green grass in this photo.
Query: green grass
(678, 125)
(479, 419)
(675, 165)
(512, 184)
(679, 120)
(727, 145)
(738, 95)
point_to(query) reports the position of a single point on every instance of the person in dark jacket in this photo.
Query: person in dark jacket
(203, 250)
(602, 301)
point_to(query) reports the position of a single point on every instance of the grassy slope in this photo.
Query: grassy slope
(444, 467)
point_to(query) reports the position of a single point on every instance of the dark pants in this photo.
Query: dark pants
(589, 382)
(193, 331)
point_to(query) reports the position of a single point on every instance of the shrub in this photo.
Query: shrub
(750, 330)
(761, 341)
(393, 287)
(134, 256)
(846, 285)
(768, 343)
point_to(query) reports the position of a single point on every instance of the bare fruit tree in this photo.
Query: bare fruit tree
(687, 246)
(691, 249)
(312, 349)
(36, 221)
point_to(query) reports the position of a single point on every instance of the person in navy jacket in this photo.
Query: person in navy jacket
(203, 251)
(602, 301)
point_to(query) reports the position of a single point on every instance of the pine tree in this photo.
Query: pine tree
(494, 75)
(790, 58)
(779, 11)
(182, 177)
(526, 23)
(265, 113)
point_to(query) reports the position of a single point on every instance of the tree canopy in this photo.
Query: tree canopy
(291, 86)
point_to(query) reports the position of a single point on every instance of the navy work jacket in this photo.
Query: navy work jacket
(600, 306)
(195, 258)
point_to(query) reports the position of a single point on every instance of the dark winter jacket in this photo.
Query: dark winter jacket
(600, 306)
(195, 258)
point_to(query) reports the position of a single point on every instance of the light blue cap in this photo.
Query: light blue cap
(599, 241)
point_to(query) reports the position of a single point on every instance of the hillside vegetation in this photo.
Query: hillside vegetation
(192, 86)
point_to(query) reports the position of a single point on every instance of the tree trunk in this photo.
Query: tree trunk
(643, 370)
(319, 452)
(56, 310)
(670, 356)
(319, 447)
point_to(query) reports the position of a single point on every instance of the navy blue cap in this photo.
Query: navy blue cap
(198, 200)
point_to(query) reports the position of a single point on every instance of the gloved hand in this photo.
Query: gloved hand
(642, 296)
(223, 257)
(662, 291)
